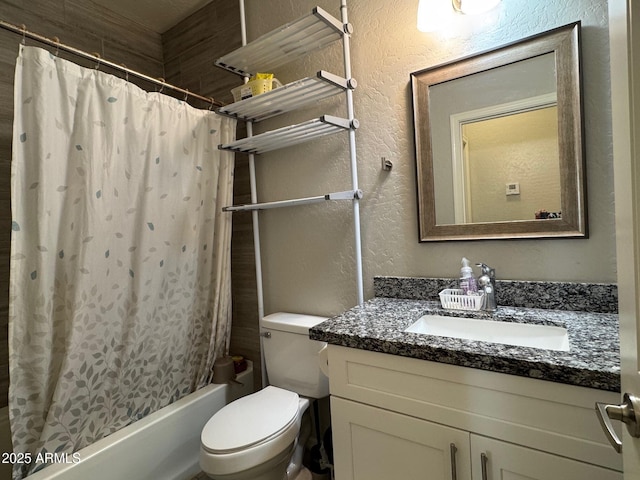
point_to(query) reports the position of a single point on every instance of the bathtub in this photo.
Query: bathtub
(162, 446)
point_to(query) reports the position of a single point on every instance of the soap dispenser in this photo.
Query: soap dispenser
(467, 280)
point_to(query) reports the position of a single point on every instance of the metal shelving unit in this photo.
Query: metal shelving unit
(294, 40)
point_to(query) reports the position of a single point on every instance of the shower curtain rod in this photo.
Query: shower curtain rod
(22, 30)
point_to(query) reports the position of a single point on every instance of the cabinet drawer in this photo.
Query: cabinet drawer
(543, 415)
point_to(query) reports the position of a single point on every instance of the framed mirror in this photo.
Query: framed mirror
(499, 142)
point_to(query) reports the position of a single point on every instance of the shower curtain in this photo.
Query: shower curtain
(120, 261)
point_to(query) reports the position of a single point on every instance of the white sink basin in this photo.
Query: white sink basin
(507, 333)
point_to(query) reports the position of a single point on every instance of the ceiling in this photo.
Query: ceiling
(158, 15)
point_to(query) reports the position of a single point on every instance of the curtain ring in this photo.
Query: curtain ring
(186, 95)
(126, 72)
(160, 79)
(23, 27)
(211, 106)
(97, 55)
(57, 40)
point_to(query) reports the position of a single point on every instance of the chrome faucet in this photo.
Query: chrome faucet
(487, 283)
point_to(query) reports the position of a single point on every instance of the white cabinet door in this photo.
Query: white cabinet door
(374, 444)
(505, 461)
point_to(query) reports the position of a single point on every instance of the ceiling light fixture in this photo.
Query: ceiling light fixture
(472, 7)
(434, 14)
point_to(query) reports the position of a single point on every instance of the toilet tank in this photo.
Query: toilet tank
(291, 357)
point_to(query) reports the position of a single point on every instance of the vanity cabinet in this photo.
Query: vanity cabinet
(376, 444)
(397, 417)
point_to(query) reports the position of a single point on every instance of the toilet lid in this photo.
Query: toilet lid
(250, 420)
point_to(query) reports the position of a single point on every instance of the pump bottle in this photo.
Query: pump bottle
(468, 283)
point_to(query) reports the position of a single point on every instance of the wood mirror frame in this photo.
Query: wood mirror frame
(564, 42)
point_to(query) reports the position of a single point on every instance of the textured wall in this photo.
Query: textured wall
(308, 250)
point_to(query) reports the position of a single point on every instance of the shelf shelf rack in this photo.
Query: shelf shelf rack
(347, 195)
(290, 135)
(287, 98)
(290, 42)
(293, 40)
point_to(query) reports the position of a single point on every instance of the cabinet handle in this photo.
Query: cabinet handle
(483, 464)
(454, 471)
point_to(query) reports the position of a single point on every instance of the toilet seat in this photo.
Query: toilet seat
(251, 430)
(250, 420)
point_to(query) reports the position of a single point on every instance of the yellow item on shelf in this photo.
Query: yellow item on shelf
(259, 83)
(262, 76)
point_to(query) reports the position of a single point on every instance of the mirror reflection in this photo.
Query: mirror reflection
(509, 169)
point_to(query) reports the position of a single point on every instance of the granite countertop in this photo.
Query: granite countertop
(378, 325)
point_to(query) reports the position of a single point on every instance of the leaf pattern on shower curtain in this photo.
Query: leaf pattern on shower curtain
(120, 288)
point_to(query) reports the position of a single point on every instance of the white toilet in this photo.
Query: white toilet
(254, 437)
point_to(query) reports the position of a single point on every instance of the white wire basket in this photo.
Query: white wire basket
(455, 299)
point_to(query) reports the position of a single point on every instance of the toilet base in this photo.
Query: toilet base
(295, 469)
(274, 469)
(303, 474)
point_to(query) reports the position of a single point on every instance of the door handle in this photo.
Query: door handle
(628, 412)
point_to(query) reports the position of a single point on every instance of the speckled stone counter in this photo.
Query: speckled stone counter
(592, 361)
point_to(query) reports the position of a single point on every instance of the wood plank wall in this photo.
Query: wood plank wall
(190, 49)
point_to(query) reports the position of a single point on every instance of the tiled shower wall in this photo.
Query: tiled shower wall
(184, 56)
